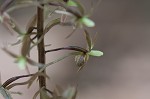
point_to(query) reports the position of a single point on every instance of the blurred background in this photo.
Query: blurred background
(123, 72)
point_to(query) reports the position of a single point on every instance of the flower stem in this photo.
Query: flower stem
(41, 48)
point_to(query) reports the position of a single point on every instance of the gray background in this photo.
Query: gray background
(123, 35)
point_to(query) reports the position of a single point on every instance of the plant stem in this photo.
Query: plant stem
(75, 48)
(67, 9)
(12, 79)
(41, 48)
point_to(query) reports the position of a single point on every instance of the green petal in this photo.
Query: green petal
(72, 3)
(21, 61)
(95, 53)
(88, 22)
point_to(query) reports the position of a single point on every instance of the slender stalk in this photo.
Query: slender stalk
(12, 79)
(67, 9)
(75, 48)
(41, 48)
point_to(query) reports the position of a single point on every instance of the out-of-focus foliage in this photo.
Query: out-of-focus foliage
(5, 93)
(69, 13)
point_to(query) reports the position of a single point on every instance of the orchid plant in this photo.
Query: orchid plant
(71, 13)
